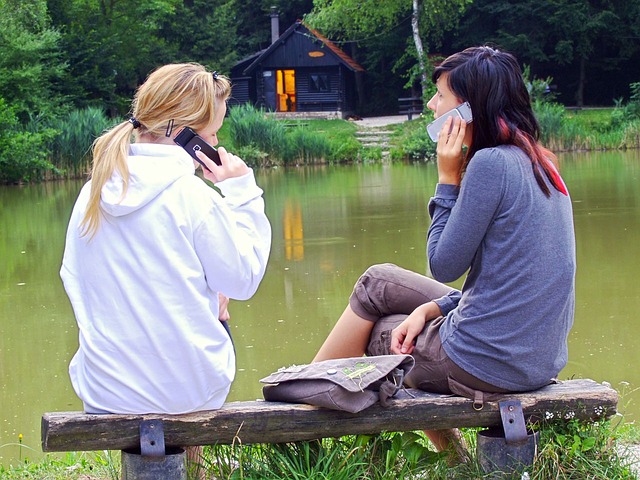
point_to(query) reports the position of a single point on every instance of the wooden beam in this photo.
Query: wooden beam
(275, 422)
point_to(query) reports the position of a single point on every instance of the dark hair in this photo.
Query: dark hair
(491, 81)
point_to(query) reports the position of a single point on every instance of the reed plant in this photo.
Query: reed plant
(263, 140)
(305, 146)
(593, 129)
(78, 130)
(251, 127)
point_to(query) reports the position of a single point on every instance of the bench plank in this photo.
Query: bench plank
(275, 422)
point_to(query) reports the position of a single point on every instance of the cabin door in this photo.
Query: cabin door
(269, 89)
(286, 89)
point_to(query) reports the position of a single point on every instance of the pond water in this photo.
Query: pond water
(329, 224)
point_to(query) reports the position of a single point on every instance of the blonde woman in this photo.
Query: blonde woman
(152, 252)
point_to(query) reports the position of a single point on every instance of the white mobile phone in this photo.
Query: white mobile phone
(462, 111)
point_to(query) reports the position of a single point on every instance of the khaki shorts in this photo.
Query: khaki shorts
(386, 294)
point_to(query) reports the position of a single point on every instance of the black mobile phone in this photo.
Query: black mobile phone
(192, 142)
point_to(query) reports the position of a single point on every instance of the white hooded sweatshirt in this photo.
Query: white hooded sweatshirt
(144, 289)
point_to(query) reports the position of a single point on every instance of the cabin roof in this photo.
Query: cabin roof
(300, 28)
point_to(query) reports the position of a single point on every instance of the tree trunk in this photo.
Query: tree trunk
(415, 15)
(360, 90)
(581, 82)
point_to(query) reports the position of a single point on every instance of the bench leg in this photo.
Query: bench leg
(510, 448)
(170, 466)
(153, 461)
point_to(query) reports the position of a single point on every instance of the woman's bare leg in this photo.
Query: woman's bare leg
(349, 337)
(194, 463)
(449, 440)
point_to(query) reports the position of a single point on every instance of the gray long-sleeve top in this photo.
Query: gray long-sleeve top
(513, 318)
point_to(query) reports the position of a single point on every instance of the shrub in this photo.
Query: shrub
(23, 153)
(414, 142)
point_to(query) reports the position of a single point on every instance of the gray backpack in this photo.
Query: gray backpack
(349, 384)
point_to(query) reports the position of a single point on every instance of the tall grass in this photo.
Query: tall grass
(251, 127)
(78, 130)
(585, 130)
(567, 450)
(304, 146)
(262, 140)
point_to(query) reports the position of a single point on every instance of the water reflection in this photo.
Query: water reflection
(329, 224)
(293, 231)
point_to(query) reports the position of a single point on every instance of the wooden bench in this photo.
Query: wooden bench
(410, 106)
(273, 422)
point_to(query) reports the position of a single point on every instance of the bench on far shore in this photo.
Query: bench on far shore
(274, 422)
(410, 106)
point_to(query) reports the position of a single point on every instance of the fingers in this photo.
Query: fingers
(452, 133)
(402, 340)
(449, 150)
(230, 166)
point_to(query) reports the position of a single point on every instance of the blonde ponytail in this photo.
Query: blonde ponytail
(180, 95)
(110, 153)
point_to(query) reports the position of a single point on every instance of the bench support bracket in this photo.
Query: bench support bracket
(153, 461)
(510, 448)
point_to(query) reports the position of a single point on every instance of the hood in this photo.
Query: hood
(152, 168)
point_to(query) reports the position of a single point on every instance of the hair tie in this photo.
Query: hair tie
(214, 74)
(135, 123)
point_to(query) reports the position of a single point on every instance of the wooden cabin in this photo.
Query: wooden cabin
(300, 74)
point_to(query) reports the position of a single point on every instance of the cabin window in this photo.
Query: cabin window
(319, 82)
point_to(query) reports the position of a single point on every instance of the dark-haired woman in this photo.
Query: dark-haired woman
(500, 212)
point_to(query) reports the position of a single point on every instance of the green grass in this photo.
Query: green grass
(72, 466)
(567, 451)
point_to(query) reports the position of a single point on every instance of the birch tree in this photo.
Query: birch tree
(430, 19)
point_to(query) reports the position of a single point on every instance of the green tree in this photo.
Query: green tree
(110, 46)
(366, 18)
(29, 60)
(578, 42)
(203, 31)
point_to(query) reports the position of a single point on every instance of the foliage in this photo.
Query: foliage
(109, 49)
(305, 146)
(593, 129)
(23, 153)
(72, 466)
(572, 450)
(631, 110)
(368, 19)
(580, 43)
(188, 32)
(412, 142)
(253, 127)
(539, 88)
(78, 129)
(260, 139)
(29, 59)
(376, 457)
(550, 117)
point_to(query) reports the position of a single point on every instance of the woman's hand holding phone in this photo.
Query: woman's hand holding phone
(449, 150)
(230, 166)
